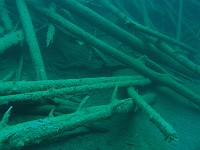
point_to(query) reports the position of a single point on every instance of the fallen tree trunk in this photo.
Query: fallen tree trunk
(46, 97)
(10, 88)
(125, 59)
(34, 132)
(160, 44)
(164, 126)
(138, 27)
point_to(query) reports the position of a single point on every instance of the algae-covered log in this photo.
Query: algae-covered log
(45, 97)
(34, 132)
(10, 88)
(31, 39)
(138, 27)
(125, 59)
(164, 126)
(122, 35)
(160, 44)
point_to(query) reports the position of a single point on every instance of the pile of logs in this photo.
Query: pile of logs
(151, 54)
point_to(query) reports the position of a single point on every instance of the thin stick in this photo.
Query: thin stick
(180, 12)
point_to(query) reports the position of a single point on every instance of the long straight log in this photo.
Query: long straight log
(10, 88)
(160, 44)
(46, 97)
(125, 59)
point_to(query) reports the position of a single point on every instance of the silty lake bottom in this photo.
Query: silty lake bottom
(99, 75)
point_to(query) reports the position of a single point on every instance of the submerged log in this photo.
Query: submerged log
(123, 36)
(10, 88)
(138, 27)
(34, 132)
(120, 56)
(164, 126)
(31, 40)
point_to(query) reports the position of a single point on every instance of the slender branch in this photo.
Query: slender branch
(136, 26)
(180, 12)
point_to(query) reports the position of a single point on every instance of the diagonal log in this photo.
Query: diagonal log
(31, 39)
(120, 34)
(12, 39)
(164, 126)
(138, 27)
(125, 59)
(34, 132)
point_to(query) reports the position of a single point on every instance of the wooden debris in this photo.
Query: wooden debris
(125, 59)
(34, 132)
(46, 97)
(31, 40)
(120, 34)
(164, 127)
(138, 27)
(10, 88)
